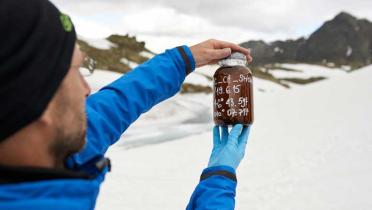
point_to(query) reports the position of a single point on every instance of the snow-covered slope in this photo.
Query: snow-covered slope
(304, 71)
(310, 148)
(100, 78)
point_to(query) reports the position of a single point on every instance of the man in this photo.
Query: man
(54, 134)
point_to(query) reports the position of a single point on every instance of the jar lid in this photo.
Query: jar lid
(235, 59)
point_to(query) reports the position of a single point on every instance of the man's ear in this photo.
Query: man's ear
(48, 116)
(46, 119)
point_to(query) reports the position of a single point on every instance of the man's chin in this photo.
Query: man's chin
(83, 142)
(80, 145)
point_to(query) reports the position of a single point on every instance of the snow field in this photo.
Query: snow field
(310, 148)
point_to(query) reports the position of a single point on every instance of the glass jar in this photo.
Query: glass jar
(233, 92)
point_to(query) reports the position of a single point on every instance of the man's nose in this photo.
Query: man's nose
(87, 88)
(89, 91)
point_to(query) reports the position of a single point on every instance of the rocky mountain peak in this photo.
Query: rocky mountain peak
(344, 40)
(344, 16)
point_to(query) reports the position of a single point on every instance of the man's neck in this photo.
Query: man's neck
(27, 148)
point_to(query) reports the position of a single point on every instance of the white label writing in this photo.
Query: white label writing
(230, 100)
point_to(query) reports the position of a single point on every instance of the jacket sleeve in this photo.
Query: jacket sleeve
(115, 107)
(216, 190)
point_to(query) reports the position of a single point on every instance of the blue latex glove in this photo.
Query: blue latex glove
(229, 149)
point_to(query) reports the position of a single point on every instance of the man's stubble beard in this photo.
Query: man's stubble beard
(70, 138)
(67, 143)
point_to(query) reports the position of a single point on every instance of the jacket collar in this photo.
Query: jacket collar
(10, 174)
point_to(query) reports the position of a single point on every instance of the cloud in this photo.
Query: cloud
(194, 20)
(259, 15)
(88, 28)
(162, 21)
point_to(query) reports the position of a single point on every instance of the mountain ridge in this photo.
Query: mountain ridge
(344, 40)
(344, 43)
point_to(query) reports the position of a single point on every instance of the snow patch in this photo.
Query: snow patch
(146, 54)
(198, 79)
(330, 64)
(208, 70)
(129, 63)
(349, 51)
(278, 50)
(101, 78)
(102, 44)
(265, 86)
(305, 71)
(346, 68)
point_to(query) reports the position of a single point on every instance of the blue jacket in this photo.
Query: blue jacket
(110, 112)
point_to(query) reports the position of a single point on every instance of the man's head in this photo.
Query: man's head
(66, 111)
(43, 94)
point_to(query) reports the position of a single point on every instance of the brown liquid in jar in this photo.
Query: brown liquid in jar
(233, 96)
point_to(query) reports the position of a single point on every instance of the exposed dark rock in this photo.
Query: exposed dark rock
(275, 52)
(124, 47)
(344, 40)
(192, 88)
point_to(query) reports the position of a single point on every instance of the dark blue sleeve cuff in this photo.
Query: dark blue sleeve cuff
(188, 58)
(224, 171)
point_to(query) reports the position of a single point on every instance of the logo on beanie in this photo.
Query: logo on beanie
(66, 22)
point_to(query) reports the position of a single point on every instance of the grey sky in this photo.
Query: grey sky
(164, 23)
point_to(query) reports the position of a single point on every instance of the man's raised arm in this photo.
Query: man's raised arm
(111, 110)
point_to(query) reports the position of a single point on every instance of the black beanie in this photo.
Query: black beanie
(36, 46)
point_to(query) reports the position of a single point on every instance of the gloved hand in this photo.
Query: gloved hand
(229, 149)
